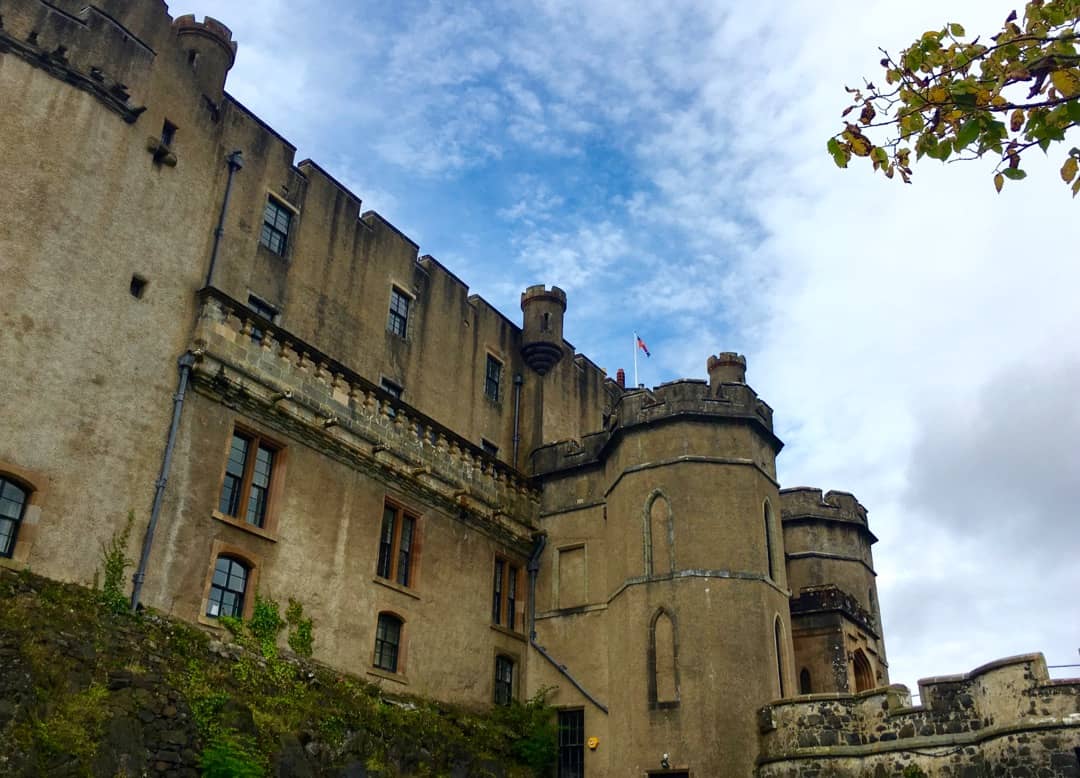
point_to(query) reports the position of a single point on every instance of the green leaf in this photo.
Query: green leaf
(1014, 173)
(967, 133)
(1072, 110)
(957, 30)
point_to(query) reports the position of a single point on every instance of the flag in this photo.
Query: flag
(641, 345)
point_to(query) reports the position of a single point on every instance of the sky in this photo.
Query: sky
(664, 163)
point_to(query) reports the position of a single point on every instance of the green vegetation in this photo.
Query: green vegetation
(951, 96)
(89, 683)
(115, 561)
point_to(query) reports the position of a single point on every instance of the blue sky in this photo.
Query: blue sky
(664, 163)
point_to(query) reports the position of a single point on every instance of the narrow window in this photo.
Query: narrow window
(504, 593)
(397, 546)
(245, 492)
(768, 541)
(779, 654)
(227, 588)
(665, 686)
(192, 57)
(504, 680)
(277, 220)
(805, 687)
(571, 744)
(492, 378)
(12, 505)
(263, 309)
(545, 323)
(387, 642)
(168, 133)
(398, 321)
(659, 557)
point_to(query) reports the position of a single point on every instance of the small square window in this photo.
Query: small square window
(168, 133)
(398, 321)
(397, 546)
(277, 219)
(264, 309)
(492, 378)
(137, 287)
(489, 447)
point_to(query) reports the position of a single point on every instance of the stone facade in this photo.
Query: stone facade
(470, 509)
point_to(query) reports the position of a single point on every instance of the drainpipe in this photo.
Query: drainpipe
(533, 568)
(185, 364)
(518, 381)
(235, 162)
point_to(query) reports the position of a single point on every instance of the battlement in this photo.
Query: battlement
(801, 503)
(995, 708)
(686, 398)
(209, 28)
(726, 367)
(830, 598)
(541, 292)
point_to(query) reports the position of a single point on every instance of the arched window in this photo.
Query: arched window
(659, 535)
(805, 687)
(779, 639)
(13, 499)
(228, 588)
(663, 658)
(388, 642)
(768, 540)
(864, 674)
(504, 680)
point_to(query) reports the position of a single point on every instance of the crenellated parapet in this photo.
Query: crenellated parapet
(675, 400)
(1008, 713)
(830, 599)
(801, 503)
(210, 51)
(89, 50)
(249, 363)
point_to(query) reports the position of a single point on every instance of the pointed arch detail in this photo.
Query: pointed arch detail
(658, 531)
(663, 660)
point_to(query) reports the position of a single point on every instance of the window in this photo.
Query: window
(398, 323)
(504, 680)
(137, 287)
(264, 309)
(249, 470)
(571, 744)
(489, 447)
(168, 133)
(805, 686)
(778, 635)
(227, 588)
(504, 593)
(387, 642)
(397, 542)
(395, 391)
(864, 674)
(275, 229)
(492, 377)
(12, 505)
(768, 541)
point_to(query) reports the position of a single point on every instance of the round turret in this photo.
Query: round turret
(210, 52)
(726, 368)
(542, 327)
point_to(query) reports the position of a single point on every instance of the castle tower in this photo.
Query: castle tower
(542, 326)
(210, 52)
(665, 568)
(835, 615)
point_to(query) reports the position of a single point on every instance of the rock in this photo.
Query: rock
(292, 760)
(122, 752)
(236, 716)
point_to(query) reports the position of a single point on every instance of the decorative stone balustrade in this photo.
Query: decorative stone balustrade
(250, 362)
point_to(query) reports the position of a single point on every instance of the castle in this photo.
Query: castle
(291, 401)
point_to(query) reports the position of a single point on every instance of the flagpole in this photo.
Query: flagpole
(636, 384)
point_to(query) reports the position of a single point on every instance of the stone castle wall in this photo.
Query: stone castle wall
(1007, 718)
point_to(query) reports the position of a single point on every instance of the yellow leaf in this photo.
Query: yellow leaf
(1016, 120)
(1067, 82)
(938, 94)
(1076, 187)
(999, 181)
(1068, 170)
(998, 101)
(860, 146)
